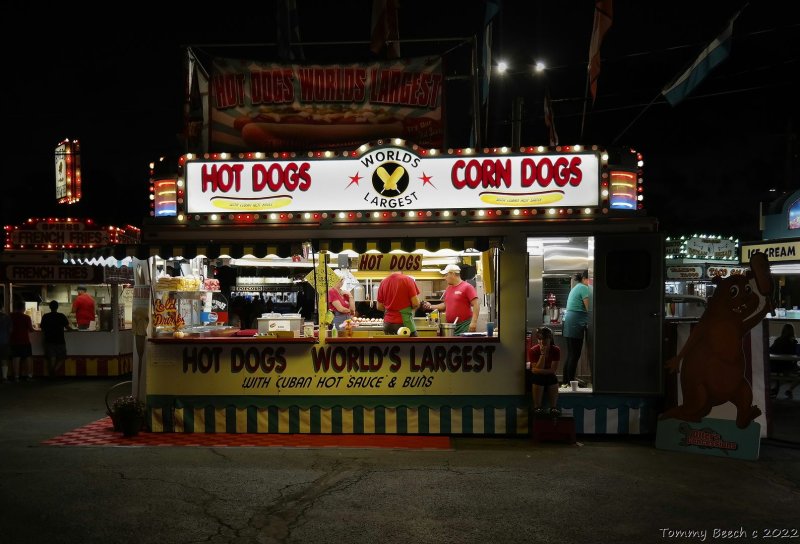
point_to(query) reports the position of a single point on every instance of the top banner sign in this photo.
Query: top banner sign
(393, 178)
(258, 106)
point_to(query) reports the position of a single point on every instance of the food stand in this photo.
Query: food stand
(47, 259)
(407, 207)
(692, 262)
(781, 244)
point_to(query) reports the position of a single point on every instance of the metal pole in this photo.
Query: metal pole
(477, 77)
(516, 123)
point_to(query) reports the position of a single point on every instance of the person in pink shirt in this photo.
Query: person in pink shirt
(460, 301)
(340, 302)
(398, 297)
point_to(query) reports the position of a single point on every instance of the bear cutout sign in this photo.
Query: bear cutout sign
(712, 370)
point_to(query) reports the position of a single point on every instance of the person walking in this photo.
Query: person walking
(5, 348)
(53, 325)
(83, 308)
(20, 341)
(576, 320)
(460, 301)
(398, 298)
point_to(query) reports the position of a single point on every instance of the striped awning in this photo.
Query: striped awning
(282, 249)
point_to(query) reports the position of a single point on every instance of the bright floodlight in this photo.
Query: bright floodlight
(502, 66)
(539, 67)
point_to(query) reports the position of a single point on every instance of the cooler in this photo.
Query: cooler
(269, 323)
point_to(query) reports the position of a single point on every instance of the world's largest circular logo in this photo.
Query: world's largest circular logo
(390, 179)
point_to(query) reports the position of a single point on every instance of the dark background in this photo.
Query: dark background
(115, 81)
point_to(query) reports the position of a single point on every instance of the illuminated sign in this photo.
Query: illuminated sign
(165, 197)
(710, 248)
(259, 106)
(725, 271)
(56, 233)
(395, 179)
(68, 172)
(389, 262)
(46, 273)
(788, 250)
(684, 272)
(703, 247)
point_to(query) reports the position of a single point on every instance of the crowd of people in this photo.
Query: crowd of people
(15, 337)
(15, 330)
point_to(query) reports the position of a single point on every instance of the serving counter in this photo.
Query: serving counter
(382, 384)
(89, 353)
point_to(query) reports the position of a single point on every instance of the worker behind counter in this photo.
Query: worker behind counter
(83, 308)
(460, 301)
(398, 298)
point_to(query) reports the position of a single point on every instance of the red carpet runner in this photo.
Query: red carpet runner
(101, 433)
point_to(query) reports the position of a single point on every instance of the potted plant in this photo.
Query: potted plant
(128, 412)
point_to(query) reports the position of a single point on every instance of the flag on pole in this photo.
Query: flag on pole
(603, 17)
(717, 51)
(492, 9)
(385, 34)
(288, 31)
(549, 120)
(194, 105)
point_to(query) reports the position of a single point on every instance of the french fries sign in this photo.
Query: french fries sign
(393, 178)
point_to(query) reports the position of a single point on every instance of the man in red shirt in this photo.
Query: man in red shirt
(83, 308)
(460, 301)
(398, 297)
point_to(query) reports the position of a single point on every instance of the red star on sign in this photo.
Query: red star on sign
(354, 179)
(427, 179)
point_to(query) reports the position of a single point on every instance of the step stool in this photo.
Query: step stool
(554, 429)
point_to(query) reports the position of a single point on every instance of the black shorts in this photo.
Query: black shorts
(23, 350)
(544, 380)
(57, 351)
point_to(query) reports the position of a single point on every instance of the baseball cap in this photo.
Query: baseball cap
(451, 268)
(81, 288)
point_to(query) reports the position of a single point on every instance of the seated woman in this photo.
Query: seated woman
(785, 344)
(544, 357)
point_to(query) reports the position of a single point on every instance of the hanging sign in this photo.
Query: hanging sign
(389, 262)
(684, 272)
(725, 271)
(394, 179)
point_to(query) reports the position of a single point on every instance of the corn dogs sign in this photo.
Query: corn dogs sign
(393, 178)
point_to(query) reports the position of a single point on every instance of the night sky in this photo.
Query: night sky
(117, 86)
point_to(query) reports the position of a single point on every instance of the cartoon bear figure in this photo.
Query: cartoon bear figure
(712, 361)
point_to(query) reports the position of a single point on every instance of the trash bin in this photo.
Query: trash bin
(105, 317)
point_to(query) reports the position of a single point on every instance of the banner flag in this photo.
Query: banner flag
(549, 120)
(717, 51)
(385, 33)
(288, 31)
(492, 9)
(194, 107)
(603, 17)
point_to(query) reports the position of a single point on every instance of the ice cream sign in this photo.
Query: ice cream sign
(395, 179)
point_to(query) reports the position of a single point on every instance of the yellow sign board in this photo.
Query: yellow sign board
(330, 370)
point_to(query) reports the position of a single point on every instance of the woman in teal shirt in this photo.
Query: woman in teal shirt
(575, 322)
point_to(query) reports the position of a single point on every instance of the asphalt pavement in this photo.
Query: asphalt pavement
(499, 490)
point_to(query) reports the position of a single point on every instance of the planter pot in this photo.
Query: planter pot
(130, 425)
(114, 421)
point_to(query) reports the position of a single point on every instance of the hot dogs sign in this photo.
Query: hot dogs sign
(393, 178)
(258, 106)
